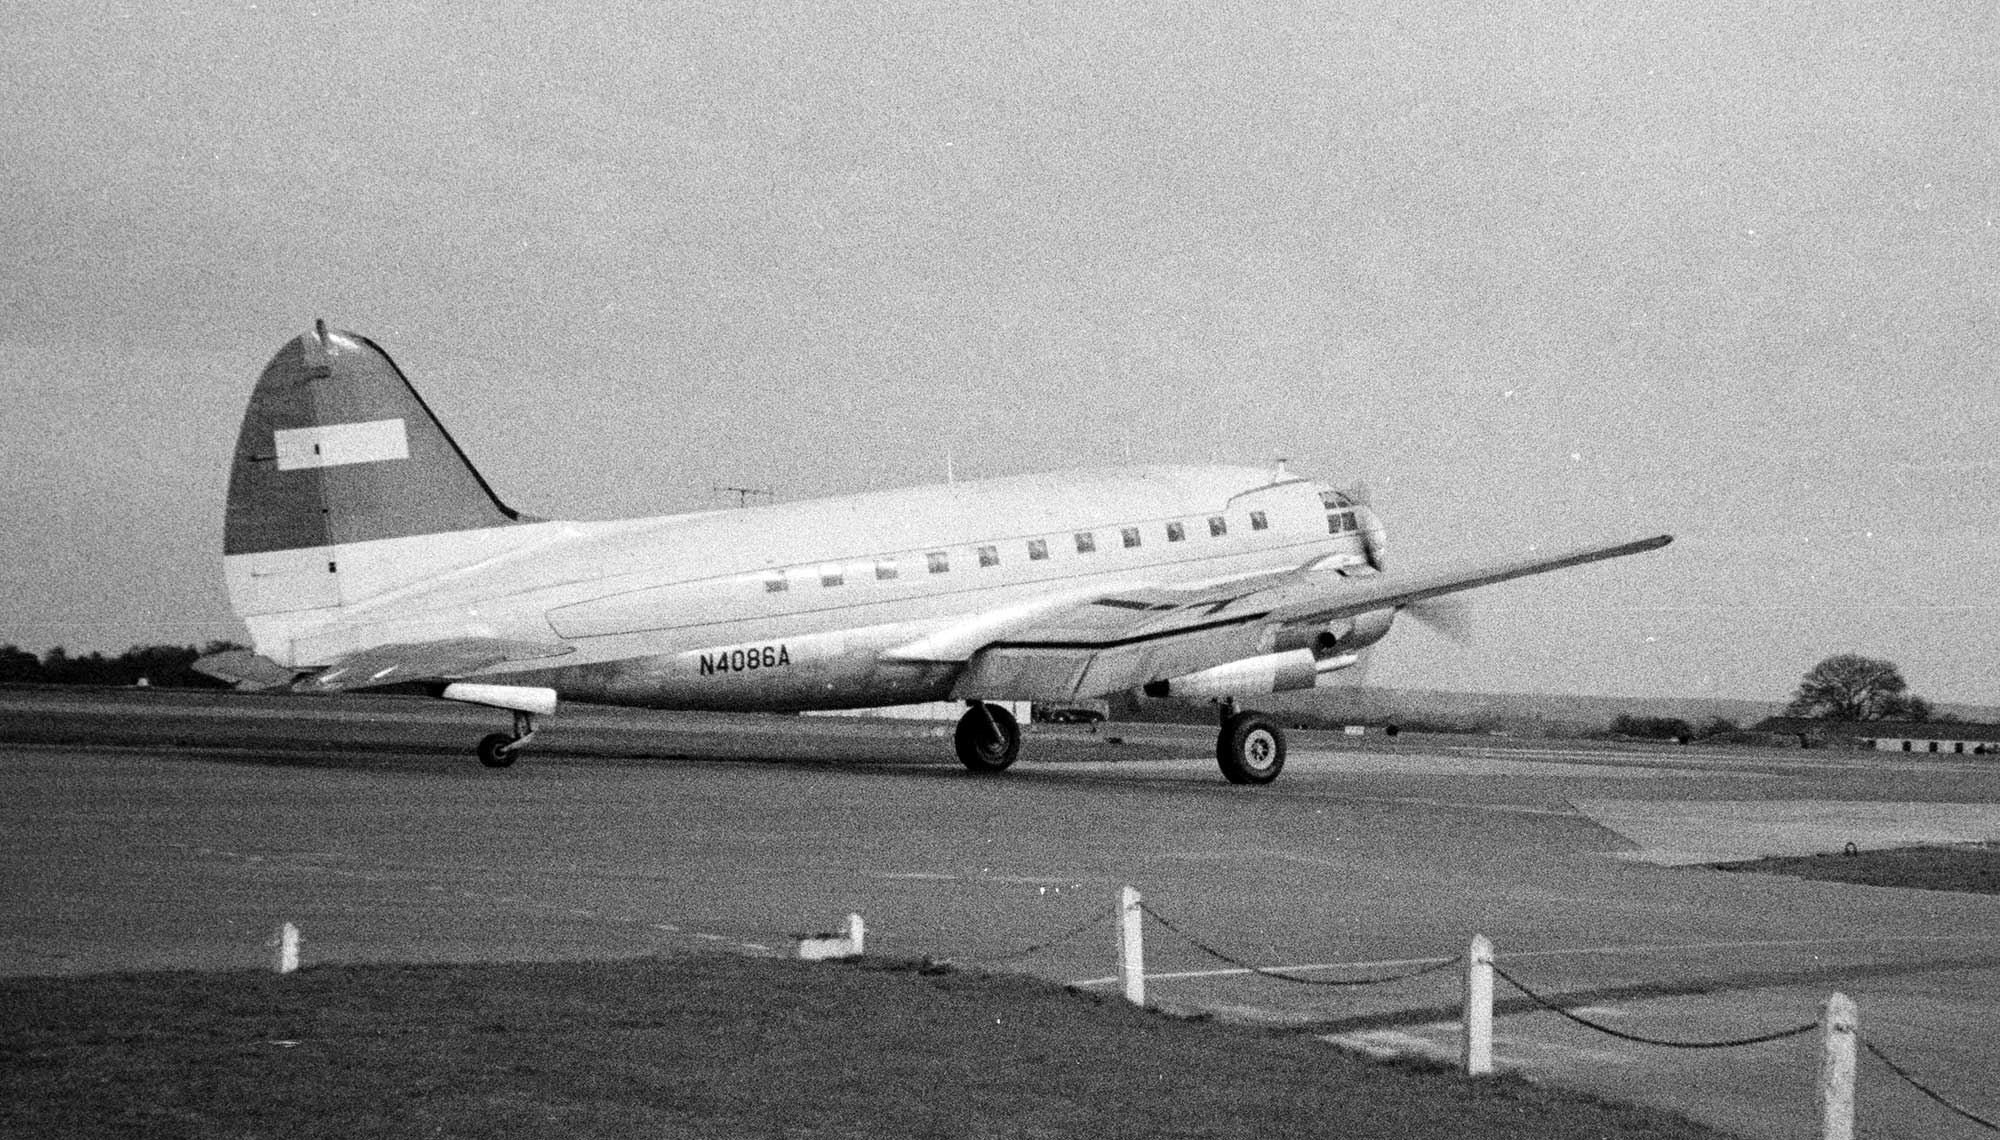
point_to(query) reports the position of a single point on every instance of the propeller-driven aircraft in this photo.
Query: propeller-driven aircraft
(363, 550)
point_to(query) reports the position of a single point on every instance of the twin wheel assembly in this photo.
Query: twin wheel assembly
(1250, 749)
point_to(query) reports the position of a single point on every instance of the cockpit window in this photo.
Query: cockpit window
(1334, 499)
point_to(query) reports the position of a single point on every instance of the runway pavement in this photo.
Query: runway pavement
(152, 831)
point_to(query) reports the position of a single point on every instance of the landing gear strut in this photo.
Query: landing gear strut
(1250, 748)
(499, 749)
(988, 738)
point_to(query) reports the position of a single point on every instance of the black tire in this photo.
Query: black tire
(978, 749)
(1250, 749)
(497, 750)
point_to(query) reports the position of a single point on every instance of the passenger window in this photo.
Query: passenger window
(989, 556)
(1347, 521)
(1038, 550)
(1175, 532)
(1130, 535)
(885, 569)
(1333, 524)
(1217, 526)
(939, 561)
(829, 575)
(776, 583)
(1086, 542)
(1258, 521)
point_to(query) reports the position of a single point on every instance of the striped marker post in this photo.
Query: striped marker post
(1838, 1024)
(287, 946)
(1477, 1046)
(1132, 946)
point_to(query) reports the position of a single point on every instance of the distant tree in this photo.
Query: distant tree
(169, 666)
(18, 666)
(1718, 726)
(1848, 686)
(59, 668)
(1652, 727)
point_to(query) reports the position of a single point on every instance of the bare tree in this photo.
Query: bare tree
(1848, 686)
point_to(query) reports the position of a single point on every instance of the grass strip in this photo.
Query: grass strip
(707, 1046)
(1972, 868)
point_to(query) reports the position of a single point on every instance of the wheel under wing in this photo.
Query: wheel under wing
(1129, 638)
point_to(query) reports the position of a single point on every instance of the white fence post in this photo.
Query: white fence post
(856, 932)
(287, 943)
(1478, 1038)
(1131, 947)
(1837, 1025)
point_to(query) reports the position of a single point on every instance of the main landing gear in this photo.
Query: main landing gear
(499, 749)
(1250, 748)
(988, 738)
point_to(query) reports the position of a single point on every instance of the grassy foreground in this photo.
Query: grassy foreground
(1973, 868)
(704, 1046)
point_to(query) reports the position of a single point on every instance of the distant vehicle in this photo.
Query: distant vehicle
(1072, 715)
(363, 549)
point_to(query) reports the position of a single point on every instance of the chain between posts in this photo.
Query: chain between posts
(1295, 980)
(1552, 1007)
(1065, 936)
(1918, 1085)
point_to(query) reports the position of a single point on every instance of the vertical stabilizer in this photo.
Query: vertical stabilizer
(344, 484)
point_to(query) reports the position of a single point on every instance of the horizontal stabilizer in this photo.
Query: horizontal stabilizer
(426, 661)
(245, 670)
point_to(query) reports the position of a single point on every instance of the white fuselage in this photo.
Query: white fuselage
(846, 602)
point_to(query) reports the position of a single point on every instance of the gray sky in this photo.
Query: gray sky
(1539, 273)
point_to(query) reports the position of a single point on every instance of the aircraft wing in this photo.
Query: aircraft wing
(1123, 639)
(380, 665)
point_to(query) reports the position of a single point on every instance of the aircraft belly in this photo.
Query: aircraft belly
(782, 674)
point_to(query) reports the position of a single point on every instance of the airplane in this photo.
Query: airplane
(363, 549)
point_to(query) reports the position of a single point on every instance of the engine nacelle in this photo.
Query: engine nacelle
(1254, 676)
(1341, 635)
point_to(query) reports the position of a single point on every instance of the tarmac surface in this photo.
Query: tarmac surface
(148, 830)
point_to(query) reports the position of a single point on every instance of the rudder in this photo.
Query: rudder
(337, 449)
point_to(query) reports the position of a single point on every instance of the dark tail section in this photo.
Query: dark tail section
(337, 448)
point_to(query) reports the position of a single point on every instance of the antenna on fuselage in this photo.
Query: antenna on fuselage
(743, 493)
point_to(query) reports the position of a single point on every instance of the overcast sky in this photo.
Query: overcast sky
(1539, 273)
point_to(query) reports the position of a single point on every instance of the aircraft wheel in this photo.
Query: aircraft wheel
(497, 750)
(988, 738)
(1250, 749)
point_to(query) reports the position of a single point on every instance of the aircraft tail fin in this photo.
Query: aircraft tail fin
(344, 484)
